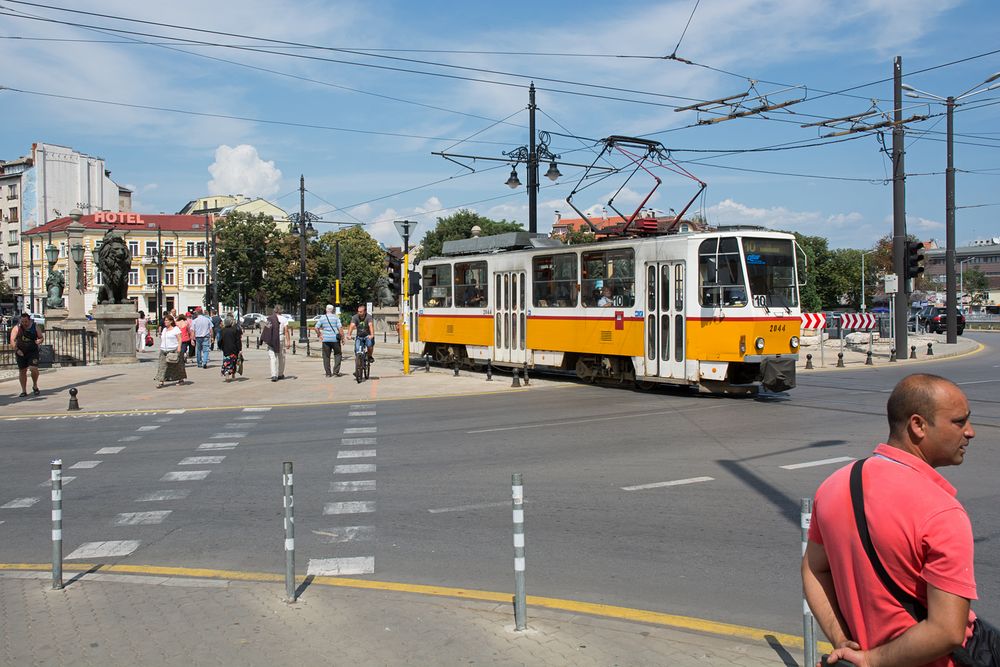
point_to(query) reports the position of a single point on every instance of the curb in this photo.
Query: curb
(905, 362)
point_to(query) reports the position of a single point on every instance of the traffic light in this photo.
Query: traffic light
(395, 274)
(414, 282)
(914, 259)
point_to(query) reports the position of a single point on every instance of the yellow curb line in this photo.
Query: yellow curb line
(908, 362)
(309, 404)
(591, 608)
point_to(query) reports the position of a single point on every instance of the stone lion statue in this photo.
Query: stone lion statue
(114, 262)
(385, 297)
(54, 285)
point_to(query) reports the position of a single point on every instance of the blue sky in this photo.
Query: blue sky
(171, 158)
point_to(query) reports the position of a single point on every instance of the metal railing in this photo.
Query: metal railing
(62, 347)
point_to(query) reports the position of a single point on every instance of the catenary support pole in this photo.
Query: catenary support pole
(286, 479)
(899, 207)
(808, 625)
(57, 580)
(517, 496)
(951, 298)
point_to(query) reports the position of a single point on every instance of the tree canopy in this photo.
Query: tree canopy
(459, 225)
(244, 243)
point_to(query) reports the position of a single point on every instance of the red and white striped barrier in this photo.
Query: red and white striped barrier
(858, 321)
(813, 320)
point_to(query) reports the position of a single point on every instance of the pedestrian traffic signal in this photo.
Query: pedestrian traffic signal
(914, 259)
(414, 282)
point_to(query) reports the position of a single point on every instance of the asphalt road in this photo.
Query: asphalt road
(430, 502)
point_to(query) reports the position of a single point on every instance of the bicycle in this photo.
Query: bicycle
(362, 364)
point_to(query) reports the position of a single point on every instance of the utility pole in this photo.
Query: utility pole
(215, 270)
(532, 164)
(302, 259)
(899, 210)
(208, 257)
(336, 288)
(950, 301)
(159, 274)
(404, 227)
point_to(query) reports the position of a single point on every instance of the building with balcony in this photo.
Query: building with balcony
(171, 255)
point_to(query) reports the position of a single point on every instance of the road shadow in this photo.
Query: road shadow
(787, 507)
(50, 392)
(304, 585)
(783, 654)
(80, 575)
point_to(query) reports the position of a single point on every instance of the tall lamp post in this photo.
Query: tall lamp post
(950, 102)
(404, 227)
(303, 227)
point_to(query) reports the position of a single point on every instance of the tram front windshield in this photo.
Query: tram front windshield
(770, 267)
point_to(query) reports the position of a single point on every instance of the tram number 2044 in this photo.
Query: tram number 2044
(778, 327)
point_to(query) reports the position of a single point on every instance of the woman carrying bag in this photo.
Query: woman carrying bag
(171, 364)
(232, 347)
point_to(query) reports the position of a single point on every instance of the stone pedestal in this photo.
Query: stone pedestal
(386, 319)
(58, 318)
(116, 332)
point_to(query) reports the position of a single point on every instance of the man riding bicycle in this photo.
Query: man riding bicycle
(364, 325)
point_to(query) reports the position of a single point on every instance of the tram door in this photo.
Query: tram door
(665, 330)
(509, 317)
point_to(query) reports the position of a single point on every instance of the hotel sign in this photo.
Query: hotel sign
(119, 218)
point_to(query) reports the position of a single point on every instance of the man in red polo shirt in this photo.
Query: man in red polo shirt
(920, 532)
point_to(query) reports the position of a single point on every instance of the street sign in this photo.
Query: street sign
(813, 320)
(891, 283)
(404, 227)
(858, 321)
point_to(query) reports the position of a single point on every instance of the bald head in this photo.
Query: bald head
(917, 394)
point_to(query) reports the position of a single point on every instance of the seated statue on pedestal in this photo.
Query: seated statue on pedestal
(54, 285)
(114, 261)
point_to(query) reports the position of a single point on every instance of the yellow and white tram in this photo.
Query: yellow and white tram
(714, 310)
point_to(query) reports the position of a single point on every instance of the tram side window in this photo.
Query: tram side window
(720, 274)
(609, 278)
(554, 280)
(436, 286)
(471, 285)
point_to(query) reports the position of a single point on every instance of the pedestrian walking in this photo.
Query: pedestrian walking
(25, 338)
(888, 569)
(201, 329)
(217, 323)
(170, 365)
(330, 330)
(231, 346)
(140, 332)
(278, 338)
(185, 326)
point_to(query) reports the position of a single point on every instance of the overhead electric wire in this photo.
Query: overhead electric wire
(335, 207)
(686, 26)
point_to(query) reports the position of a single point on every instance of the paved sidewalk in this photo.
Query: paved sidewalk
(856, 355)
(111, 620)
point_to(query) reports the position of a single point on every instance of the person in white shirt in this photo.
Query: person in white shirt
(202, 331)
(278, 337)
(170, 345)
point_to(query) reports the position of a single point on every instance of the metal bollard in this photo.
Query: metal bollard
(293, 347)
(308, 348)
(809, 362)
(913, 352)
(524, 372)
(385, 336)
(517, 495)
(868, 359)
(516, 382)
(840, 360)
(489, 371)
(808, 625)
(892, 356)
(73, 403)
(930, 349)
(427, 363)
(57, 580)
(286, 480)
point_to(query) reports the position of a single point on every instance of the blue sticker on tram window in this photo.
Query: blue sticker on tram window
(754, 258)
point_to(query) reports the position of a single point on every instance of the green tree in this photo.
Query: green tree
(579, 236)
(976, 285)
(459, 226)
(244, 243)
(362, 260)
(6, 293)
(817, 254)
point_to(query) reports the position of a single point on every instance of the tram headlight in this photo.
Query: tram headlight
(794, 342)
(759, 344)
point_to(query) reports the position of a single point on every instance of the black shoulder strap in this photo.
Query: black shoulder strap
(911, 604)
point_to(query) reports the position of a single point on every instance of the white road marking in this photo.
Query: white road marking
(164, 420)
(256, 409)
(355, 453)
(237, 425)
(18, 503)
(676, 482)
(356, 485)
(350, 507)
(331, 567)
(813, 464)
(976, 381)
(110, 549)
(350, 469)
(462, 508)
(361, 413)
(200, 460)
(84, 465)
(218, 436)
(361, 429)
(130, 438)
(141, 518)
(165, 494)
(249, 418)
(185, 476)
(215, 446)
(65, 480)
(151, 427)
(361, 420)
(351, 442)
(362, 406)
(108, 450)
(176, 412)
(341, 534)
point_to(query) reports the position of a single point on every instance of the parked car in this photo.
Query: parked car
(934, 319)
(38, 318)
(253, 320)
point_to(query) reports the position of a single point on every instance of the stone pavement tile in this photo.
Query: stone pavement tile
(115, 622)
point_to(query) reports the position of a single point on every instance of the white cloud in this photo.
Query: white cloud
(843, 229)
(240, 170)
